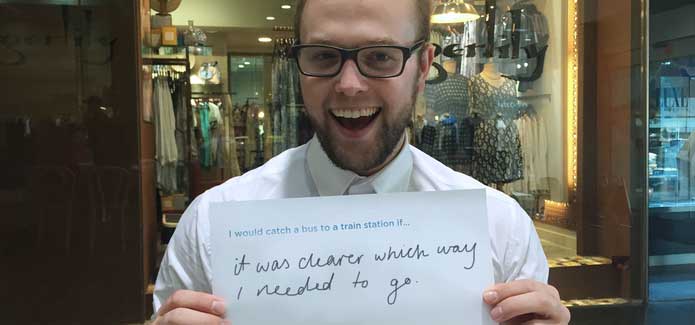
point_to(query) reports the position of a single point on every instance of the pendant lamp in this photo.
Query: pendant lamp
(454, 12)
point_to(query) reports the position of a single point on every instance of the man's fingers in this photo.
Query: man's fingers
(528, 303)
(199, 301)
(184, 316)
(503, 291)
(541, 304)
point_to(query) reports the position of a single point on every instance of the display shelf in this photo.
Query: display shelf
(165, 53)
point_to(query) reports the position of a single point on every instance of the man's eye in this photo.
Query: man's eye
(380, 57)
(324, 56)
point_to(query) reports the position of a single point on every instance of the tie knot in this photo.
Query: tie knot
(361, 188)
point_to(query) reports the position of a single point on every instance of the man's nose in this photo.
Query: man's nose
(350, 81)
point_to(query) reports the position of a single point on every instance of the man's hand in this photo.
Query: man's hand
(191, 307)
(526, 302)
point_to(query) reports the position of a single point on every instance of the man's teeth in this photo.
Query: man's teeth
(355, 113)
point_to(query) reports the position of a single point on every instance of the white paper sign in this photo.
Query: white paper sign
(407, 258)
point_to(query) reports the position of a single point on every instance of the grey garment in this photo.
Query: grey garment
(193, 142)
(231, 161)
(489, 101)
(181, 116)
(285, 110)
(181, 109)
(482, 31)
(165, 136)
(471, 62)
(534, 28)
(528, 37)
(450, 96)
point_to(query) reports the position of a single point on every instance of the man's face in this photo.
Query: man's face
(385, 106)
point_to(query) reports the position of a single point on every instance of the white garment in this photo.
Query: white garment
(216, 131)
(534, 148)
(215, 115)
(541, 155)
(306, 171)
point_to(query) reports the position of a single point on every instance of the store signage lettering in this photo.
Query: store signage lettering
(452, 51)
(674, 92)
(673, 98)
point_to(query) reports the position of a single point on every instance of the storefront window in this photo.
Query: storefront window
(671, 139)
(503, 106)
(540, 99)
(492, 110)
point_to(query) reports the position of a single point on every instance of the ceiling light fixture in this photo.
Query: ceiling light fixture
(247, 63)
(265, 39)
(241, 66)
(270, 18)
(454, 12)
(286, 7)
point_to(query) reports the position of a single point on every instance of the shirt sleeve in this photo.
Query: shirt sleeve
(186, 263)
(525, 258)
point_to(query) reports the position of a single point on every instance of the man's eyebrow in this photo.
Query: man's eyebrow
(367, 42)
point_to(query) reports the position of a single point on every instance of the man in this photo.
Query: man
(359, 102)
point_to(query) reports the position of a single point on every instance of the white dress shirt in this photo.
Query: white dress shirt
(307, 171)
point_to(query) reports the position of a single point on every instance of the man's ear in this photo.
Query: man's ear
(426, 59)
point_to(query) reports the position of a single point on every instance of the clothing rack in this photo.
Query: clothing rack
(163, 65)
(283, 28)
(202, 95)
(167, 61)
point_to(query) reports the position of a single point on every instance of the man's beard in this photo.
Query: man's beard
(369, 158)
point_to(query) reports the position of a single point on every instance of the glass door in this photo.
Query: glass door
(672, 159)
(69, 177)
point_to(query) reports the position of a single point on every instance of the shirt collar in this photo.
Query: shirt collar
(331, 180)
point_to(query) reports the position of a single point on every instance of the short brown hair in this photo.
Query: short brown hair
(424, 13)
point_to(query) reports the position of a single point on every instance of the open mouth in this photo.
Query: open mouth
(356, 119)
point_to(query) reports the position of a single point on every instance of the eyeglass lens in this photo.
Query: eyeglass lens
(373, 61)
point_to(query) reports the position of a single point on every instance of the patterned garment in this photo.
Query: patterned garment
(497, 155)
(449, 98)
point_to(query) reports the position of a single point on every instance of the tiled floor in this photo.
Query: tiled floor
(557, 242)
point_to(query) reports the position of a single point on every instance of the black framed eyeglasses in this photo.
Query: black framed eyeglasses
(377, 61)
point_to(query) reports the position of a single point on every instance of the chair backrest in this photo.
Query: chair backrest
(112, 186)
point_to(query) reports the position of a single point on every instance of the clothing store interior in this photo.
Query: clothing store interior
(114, 122)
